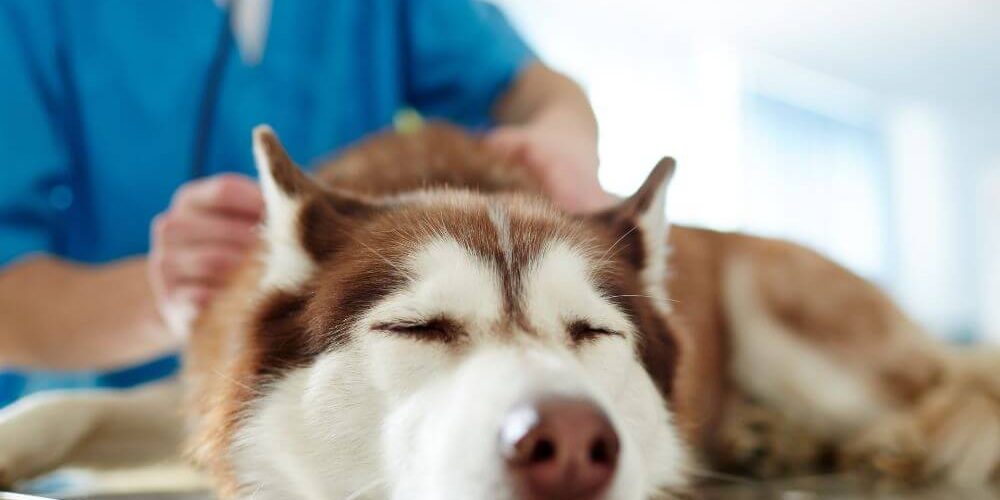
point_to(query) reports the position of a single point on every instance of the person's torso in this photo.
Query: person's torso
(138, 73)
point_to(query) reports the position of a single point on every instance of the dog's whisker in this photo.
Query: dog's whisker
(256, 490)
(615, 244)
(661, 299)
(365, 489)
(702, 473)
(673, 493)
(384, 258)
(234, 381)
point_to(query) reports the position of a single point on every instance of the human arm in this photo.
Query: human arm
(55, 314)
(547, 124)
(49, 306)
(467, 64)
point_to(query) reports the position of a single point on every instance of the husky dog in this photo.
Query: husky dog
(422, 324)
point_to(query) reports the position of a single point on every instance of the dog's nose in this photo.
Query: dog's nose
(559, 448)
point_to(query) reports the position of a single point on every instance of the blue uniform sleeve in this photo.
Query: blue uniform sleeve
(35, 157)
(462, 56)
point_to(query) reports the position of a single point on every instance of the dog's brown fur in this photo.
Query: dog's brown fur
(244, 339)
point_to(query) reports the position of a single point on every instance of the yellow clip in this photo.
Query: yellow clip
(407, 121)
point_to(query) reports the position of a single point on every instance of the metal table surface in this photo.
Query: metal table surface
(823, 488)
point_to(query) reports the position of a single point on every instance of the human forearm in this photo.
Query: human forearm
(548, 126)
(542, 97)
(58, 315)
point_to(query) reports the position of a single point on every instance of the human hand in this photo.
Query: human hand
(204, 235)
(566, 165)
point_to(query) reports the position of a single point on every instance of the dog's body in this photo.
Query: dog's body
(397, 329)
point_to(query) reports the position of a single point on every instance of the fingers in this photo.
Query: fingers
(203, 250)
(568, 174)
(512, 143)
(506, 138)
(192, 296)
(211, 228)
(205, 265)
(229, 194)
(522, 148)
(519, 147)
(185, 278)
(203, 237)
(175, 274)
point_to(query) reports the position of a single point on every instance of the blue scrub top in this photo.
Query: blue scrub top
(100, 100)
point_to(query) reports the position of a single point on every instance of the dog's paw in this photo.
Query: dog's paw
(891, 451)
(6, 480)
(9, 475)
(762, 443)
(32, 437)
(10, 471)
(951, 435)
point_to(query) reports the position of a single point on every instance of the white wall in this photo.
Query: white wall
(668, 76)
(657, 91)
(989, 227)
(930, 244)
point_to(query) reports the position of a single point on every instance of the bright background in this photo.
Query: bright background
(869, 130)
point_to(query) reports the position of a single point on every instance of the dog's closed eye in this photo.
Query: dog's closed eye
(582, 331)
(438, 329)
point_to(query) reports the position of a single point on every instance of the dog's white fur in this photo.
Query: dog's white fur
(427, 416)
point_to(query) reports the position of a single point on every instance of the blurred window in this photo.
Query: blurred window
(819, 181)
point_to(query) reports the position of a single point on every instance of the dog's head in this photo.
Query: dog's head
(447, 344)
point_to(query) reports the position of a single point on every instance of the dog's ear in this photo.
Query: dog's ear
(639, 225)
(303, 220)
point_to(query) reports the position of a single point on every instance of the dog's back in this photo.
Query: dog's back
(437, 155)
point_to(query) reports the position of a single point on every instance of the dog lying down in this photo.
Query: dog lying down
(422, 324)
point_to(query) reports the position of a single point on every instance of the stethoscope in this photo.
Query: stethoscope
(208, 106)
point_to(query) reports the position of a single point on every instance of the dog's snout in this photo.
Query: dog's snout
(560, 448)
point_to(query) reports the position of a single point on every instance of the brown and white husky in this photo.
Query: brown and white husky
(422, 324)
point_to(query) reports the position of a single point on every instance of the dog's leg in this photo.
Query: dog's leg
(951, 433)
(831, 353)
(89, 429)
(792, 371)
(757, 441)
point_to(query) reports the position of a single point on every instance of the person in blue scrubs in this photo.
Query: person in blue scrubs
(115, 113)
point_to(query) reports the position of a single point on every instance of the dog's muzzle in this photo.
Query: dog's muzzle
(559, 447)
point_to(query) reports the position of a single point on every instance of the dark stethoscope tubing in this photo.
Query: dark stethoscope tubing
(208, 106)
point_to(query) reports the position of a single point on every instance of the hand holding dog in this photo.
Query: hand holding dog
(566, 165)
(204, 235)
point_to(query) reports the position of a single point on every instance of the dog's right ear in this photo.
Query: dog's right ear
(639, 225)
(302, 219)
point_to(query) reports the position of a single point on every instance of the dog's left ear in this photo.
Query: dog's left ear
(639, 225)
(303, 220)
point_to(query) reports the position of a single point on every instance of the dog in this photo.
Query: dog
(421, 323)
